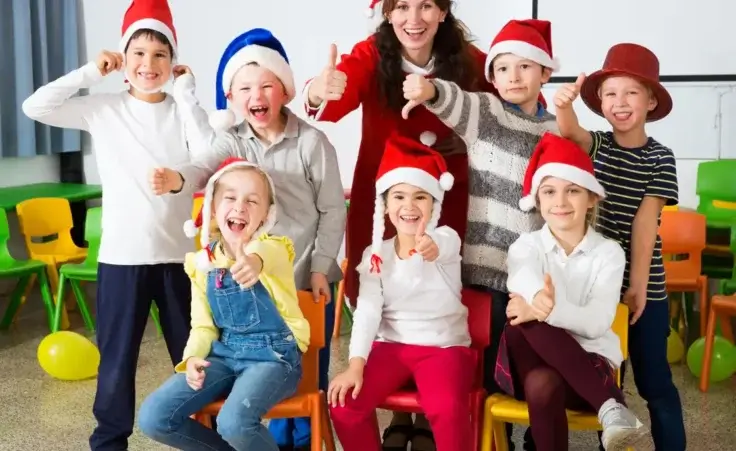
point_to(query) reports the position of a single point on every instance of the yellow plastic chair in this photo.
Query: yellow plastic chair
(197, 201)
(46, 225)
(501, 409)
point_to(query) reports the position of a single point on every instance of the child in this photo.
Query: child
(252, 334)
(500, 136)
(565, 281)
(139, 260)
(640, 177)
(410, 304)
(299, 158)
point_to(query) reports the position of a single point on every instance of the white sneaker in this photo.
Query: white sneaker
(621, 428)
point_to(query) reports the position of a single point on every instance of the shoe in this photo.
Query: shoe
(529, 440)
(621, 428)
(305, 447)
(286, 448)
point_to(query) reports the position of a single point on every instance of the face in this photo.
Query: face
(258, 94)
(147, 64)
(407, 206)
(415, 23)
(518, 80)
(242, 200)
(564, 205)
(625, 102)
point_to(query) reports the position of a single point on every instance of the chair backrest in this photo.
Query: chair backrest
(197, 200)
(479, 323)
(314, 312)
(716, 190)
(683, 233)
(4, 236)
(49, 218)
(621, 328)
(93, 234)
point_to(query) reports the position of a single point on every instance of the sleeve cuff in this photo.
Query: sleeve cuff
(441, 96)
(183, 84)
(559, 313)
(91, 71)
(321, 264)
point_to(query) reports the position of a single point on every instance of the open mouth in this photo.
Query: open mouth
(148, 76)
(236, 225)
(258, 111)
(410, 219)
(621, 116)
(415, 33)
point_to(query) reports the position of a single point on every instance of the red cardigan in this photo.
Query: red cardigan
(378, 123)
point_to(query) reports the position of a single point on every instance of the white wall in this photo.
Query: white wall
(694, 130)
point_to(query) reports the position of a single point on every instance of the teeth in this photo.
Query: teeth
(409, 218)
(259, 109)
(236, 221)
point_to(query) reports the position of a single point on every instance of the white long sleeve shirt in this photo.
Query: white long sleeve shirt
(587, 285)
(130, 137)
(411, 301)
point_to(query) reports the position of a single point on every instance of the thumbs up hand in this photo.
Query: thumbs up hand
(165, 180)
(247, 268)
(568, 92)
(417, 90)
(330, 84)
(424, 245)
(544, 300)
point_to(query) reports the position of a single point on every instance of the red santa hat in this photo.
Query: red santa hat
(371, 11)
(558, 157)
(204, 217)
(408, 161)
(151, 15)
(530, 39)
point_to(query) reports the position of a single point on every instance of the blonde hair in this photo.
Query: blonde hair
(214, 228)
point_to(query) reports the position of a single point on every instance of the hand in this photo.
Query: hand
(108, 62)
(636, 299)
(247, 268)
(424, 245)
(330, 84)
(165, 180)
(568, 92)
(339, 386)
(180, 70)
(518, 311)
(320, 287)
(544, 300)
(417, 90)
(195, 372)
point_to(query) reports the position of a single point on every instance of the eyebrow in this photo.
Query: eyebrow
(143, 49)
(406, 194)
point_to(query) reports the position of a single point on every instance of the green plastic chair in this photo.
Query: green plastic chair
(715, 182)
(23, 270)
(87, 272)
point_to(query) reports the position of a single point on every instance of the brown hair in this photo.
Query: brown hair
(152, 35)
(214, 229)
(451, 49)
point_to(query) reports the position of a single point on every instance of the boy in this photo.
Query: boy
(140, 260)
(254, 75)
(639, 175)
(501, 136)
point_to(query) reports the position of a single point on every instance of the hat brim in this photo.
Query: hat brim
(589, 92)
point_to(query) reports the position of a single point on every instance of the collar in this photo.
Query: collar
(411, 68)
(588, 243)
(540, 108)
(290, 131)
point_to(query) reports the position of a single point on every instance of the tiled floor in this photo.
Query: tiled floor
(40, 413)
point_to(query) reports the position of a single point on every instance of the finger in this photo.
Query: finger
(332, 62)
(327, 293)
(343, 393)
(422, 229)
(240, 251)
(515, 321)
(410, 105)
(635, 317)
(250, 230)
(356, 389)
(316, 292)
(580, 80)
(332, 395)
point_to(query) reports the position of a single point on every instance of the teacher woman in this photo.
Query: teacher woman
(415, 37)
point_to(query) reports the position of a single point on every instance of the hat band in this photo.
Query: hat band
(265, 57)
(412, 176)
(572, 174)
(148, 24)
(521, 49)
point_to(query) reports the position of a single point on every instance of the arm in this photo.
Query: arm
(204, 331)
(570, 128)
(359, 68)
(368, 314)
(596, 316)
(324, 173)
(448, 242)
(54, 105)
(525, 267)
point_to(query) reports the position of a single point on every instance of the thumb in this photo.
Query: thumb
(332, 62)
(240, 249)
(579, 82)
(548, 283)
(410, 105)
(422, 229)
(249, 231)
(204, 363)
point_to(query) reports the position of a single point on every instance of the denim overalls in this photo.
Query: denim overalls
(254, 364)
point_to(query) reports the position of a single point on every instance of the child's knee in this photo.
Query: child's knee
(154, 420)
(543, 386)
(237, 426)
(351, 412)
(446, 404)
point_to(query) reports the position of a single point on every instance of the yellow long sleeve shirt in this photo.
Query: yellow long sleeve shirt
(277, 276)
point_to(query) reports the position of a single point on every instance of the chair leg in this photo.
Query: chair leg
(339, 300)
(47, 296)
(59, 304)
(486, 443)
(499, 433)
(89, 322)
(327, 435)
(156, 319)
(708, 354)
(315, 419)
(703, 304)
(16, 298)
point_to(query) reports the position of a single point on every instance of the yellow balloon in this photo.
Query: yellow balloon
(68, 356)
(675, 347)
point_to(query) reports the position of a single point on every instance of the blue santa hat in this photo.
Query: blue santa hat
(254, 46)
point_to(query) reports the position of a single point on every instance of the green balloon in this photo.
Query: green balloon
(723, 360)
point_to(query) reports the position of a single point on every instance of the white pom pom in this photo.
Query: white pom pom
(222, 119)
(446, 181)
(190, 230)
(527, 203)
(428, 139)
(369, 13)
(203, 261)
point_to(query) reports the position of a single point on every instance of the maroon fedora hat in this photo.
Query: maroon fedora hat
(631, 60)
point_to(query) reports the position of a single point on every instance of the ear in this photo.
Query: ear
(546, 74)
(652, 103)
(443, 15)
(229, 96)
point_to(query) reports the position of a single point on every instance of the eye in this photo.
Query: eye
(253, 202)
(547, 192)
(398, 196)
(500, 69)
(161, 55)
(610, 94)
(138, 53)
(403, 7)
(421, 197)
(230, 198)
(245, 88)
(526, 66)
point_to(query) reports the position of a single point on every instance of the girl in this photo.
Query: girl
(565, 281)
(247, 339)
(411, 302)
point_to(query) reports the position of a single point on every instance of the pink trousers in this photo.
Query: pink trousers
(443, 377)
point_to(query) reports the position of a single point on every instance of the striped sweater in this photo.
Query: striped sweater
(500, 141)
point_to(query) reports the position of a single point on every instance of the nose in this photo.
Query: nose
(560, 199)
(514, 74)
(415, 14)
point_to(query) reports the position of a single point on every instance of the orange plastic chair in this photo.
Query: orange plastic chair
(309, 400)
(683, 233)
(339, 300)
(725, 308)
